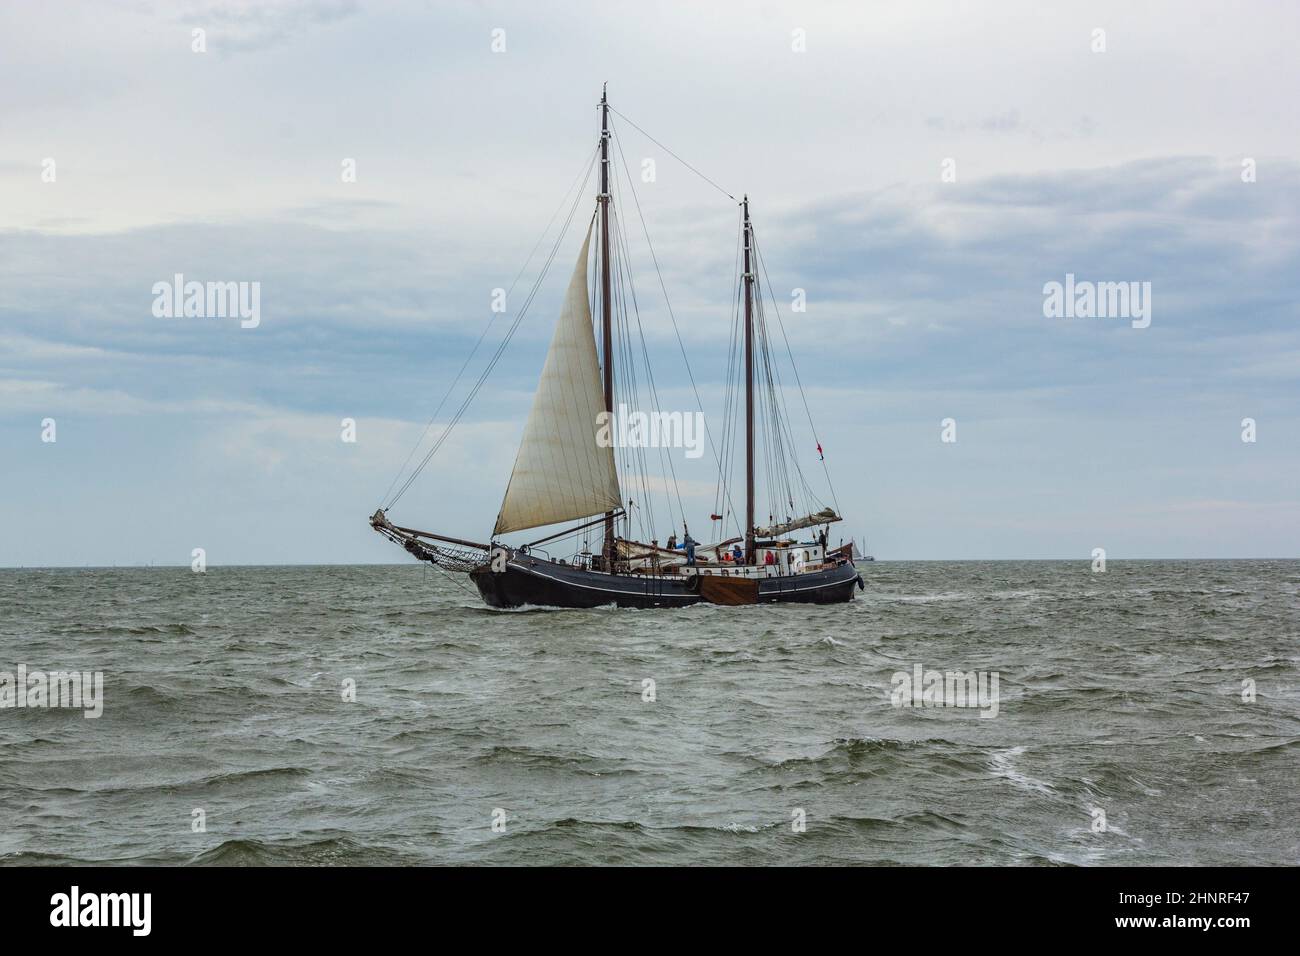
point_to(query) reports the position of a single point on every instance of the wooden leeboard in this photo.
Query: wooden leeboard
(719, 590)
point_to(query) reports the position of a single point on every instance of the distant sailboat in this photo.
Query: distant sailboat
(563, 472)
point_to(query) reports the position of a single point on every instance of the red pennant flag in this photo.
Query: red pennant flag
(819, 452)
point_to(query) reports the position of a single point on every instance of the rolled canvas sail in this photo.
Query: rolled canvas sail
(561, 473)
(825, 516)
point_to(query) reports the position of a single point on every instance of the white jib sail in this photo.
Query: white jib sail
(561, 472)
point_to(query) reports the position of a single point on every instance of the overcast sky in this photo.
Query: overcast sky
(925, 296)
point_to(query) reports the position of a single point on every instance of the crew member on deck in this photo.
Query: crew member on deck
(690, 544)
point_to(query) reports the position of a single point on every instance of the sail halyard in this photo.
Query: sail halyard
(561, 472)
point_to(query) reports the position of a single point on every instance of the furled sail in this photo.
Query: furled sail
(825, 516)
(561, 473)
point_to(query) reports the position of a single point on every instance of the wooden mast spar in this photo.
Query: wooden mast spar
(748, 278)
(606, 317)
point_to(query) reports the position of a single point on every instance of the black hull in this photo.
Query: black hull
(533, 581)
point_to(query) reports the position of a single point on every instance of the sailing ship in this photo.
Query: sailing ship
(566, 470)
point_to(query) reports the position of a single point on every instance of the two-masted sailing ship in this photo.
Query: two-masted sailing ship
(567, 471)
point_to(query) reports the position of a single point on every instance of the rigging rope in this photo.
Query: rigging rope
(785, 488)
(662, 285)
(675, 156)
(626, 271)
(803, 396)
(496, 357)
(722, 497)
(583, 176)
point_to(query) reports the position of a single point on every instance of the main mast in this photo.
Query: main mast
(606, 316)
(749, 395)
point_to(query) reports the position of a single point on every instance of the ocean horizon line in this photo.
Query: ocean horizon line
(389, 564)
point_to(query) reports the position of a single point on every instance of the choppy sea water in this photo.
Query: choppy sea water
(1119, 692)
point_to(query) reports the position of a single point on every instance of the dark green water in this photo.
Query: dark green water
(1119, 692)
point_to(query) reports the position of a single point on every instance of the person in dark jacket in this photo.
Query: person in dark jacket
(690, 544)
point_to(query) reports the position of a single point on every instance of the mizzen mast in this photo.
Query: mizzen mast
(606, 308)
(748, 279)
